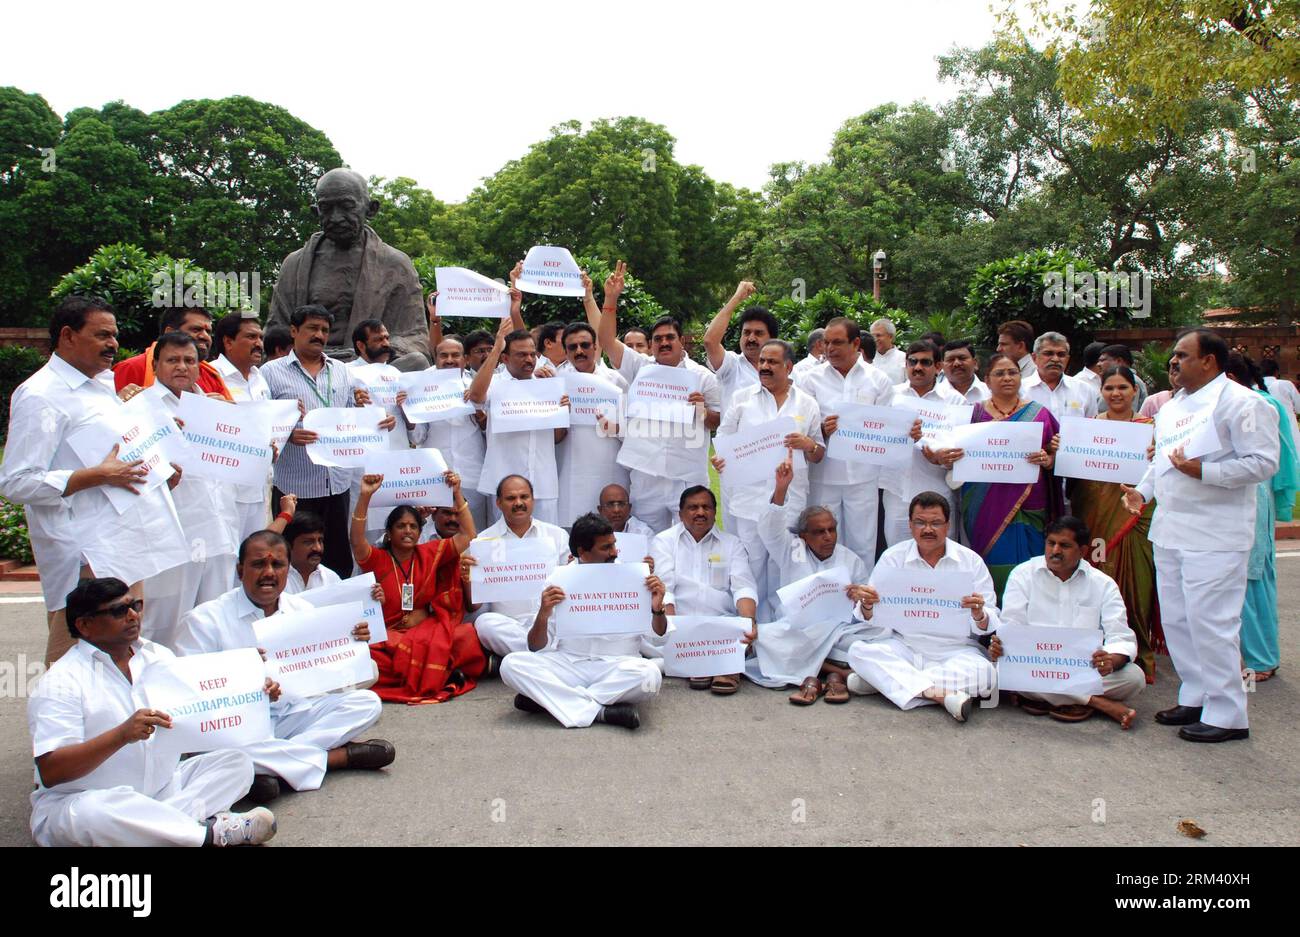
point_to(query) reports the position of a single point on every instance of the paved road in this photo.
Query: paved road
(752, 769)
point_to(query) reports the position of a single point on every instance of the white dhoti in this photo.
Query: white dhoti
(902, 674)
(200, 787)
(304, 737)
(1201, 594)
(1120, 685)
(655, 500)
(854, 507)
(169, 595)
(760, 564)
(786, 653)
(573, 689)
(502, 634)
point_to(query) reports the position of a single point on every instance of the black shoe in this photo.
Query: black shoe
(265, 789)
(1200, 732)
(524, 704)
(493, 665)
(371, 754)
(1179, 716)
(620, 714)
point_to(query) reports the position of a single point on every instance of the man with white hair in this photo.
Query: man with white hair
(1065, 396)
(816, 354)
(888, 358)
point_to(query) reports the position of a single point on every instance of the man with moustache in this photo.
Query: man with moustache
(587, 458)
(1014, 339)
(239, 336)
(848, 489)
(194, 321)
(503, 626)
(596, 678)
(961, 370)
(459, 439)
(616, 507)
(98, 781)
(773, 398)
(1051, 387)
(736, 371)
(439, 523)
(312, 735)
(305, 535)
(1203, 530)
(478, 345)
(70, 393)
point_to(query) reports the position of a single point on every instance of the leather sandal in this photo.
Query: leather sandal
(726, 684)
(700, 683)
(837, 691)
(1033, 707)
(1071, 713)
(808, 691)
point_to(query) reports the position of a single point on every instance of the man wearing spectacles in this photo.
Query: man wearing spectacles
(616, 508)
(97, 784)
(587, 457)
(920, 669)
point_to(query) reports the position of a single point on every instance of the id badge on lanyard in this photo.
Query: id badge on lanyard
(408, 596)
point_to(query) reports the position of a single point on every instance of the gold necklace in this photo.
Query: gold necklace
(1001, 413)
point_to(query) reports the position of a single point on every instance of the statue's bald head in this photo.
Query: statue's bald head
(343, 204)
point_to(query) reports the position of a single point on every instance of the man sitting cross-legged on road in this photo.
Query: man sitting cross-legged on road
(581, 680)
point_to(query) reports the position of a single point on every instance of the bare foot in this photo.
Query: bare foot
(1117, 711)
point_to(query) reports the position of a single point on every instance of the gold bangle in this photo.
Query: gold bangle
(463, 506)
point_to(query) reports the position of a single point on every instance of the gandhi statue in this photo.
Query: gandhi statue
(346, 268)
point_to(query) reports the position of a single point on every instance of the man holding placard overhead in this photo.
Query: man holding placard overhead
(932, 656)
(584, 678)
(1215, 441)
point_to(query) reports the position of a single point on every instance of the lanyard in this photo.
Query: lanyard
(410, 567)
(327, 400)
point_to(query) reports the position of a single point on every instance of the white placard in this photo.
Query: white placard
(282, 415)
(381, 380)
(462, 292)
(314, 652)
(1049, 660)
(140, 432)
(753, 454)
(550, 271)
(226, 443)
(996, 451)
(704, 646)
(914, 601)
(590, 397)
(1103, 450)
(411, 476)
(356, 589)
(818, 598)
(1186, 422)
(215, 700)
(872, 435)
(527, 405)
(632, 548)
(510, 570)
(602, 598)
(660, 393)
(349, 436)
(435, 395)
(938, 420)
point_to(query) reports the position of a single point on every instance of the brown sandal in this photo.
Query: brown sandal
(837, 691)
(1071, 713)
(1031, 706)
(700, 683)
(726, 684)
(808, 691)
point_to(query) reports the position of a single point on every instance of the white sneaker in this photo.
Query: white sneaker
(243, 829)
(859, 687)
(958, 705)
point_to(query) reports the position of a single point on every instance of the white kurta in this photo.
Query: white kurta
(47, 408)
(461, 443)
(503, 626)
(734, 375)
(1070, 398)
(135, 797)
(587, 458)
(901, 487)
(530, 453)
(250, 500)
(305, 729)
(322, 575)
(892, 363)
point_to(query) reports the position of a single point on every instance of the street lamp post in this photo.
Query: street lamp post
(877, 273)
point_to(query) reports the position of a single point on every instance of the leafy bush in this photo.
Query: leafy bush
(17, 364)
(797, 318)
(1152, 362)
(14, 543)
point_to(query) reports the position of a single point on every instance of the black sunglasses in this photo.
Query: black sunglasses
(121, 608)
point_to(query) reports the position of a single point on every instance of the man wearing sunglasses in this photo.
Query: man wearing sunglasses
(98, 782)
(587, 457)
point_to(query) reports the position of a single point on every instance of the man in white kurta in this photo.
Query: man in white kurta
(776, 397)
(1203, 530)
(503, 626)
(800, 654)
(313, 734)
(737, 371)
(1060, 590)
(849, 489)
(588, 455)
(459, 439)
(889, 359)
(705, 571)
(899, 488)
(70, 520)
(98, 780)
(241, 345)
(918, 669)
(305, 535)
(816, 354)
(961, 371)
(664, 458)
(372, 379)
(616, 507)
(1051, 387)
(530, 453)
(205, 507)
(591, 678)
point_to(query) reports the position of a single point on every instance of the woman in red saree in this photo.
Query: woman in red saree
(1128, 557)
(432, 654)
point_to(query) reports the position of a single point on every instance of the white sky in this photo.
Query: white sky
(447, 93)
